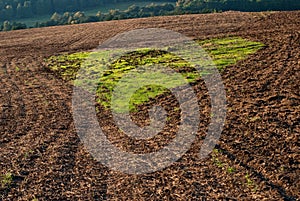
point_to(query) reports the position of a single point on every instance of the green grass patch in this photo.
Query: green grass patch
(228, 51)
(224, 52)
(6, 180)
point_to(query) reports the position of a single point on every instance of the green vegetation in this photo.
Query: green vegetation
(67, 65)
(215, 158)
(18, 9)
(216, 153)
(250, 183)
(224, 52)
(88, 12)
(6, 180)
(206, 6)
(42, 13)
(222, 164)
(230, 170)
(228, 51)
(132, 11)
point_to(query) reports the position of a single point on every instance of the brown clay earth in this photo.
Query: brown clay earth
(258, 157)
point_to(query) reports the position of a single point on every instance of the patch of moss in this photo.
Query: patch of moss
(6, 180)
(224, 52)
(228, 51)
(67, 65)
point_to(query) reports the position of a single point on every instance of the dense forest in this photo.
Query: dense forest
(69, 11)
(238, 5)
(16, 9)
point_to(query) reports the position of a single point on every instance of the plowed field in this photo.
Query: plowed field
(257, 157)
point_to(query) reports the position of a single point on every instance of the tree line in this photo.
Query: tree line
(18, 9)
(196, 6)
(132, 12)
(63, 17)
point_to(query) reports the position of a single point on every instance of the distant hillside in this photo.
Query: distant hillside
(70, 11)
(17, 9)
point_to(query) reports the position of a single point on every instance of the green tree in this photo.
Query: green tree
(6, 26)
(55, 17)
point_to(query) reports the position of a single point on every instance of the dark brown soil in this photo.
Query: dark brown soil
(40, 147)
